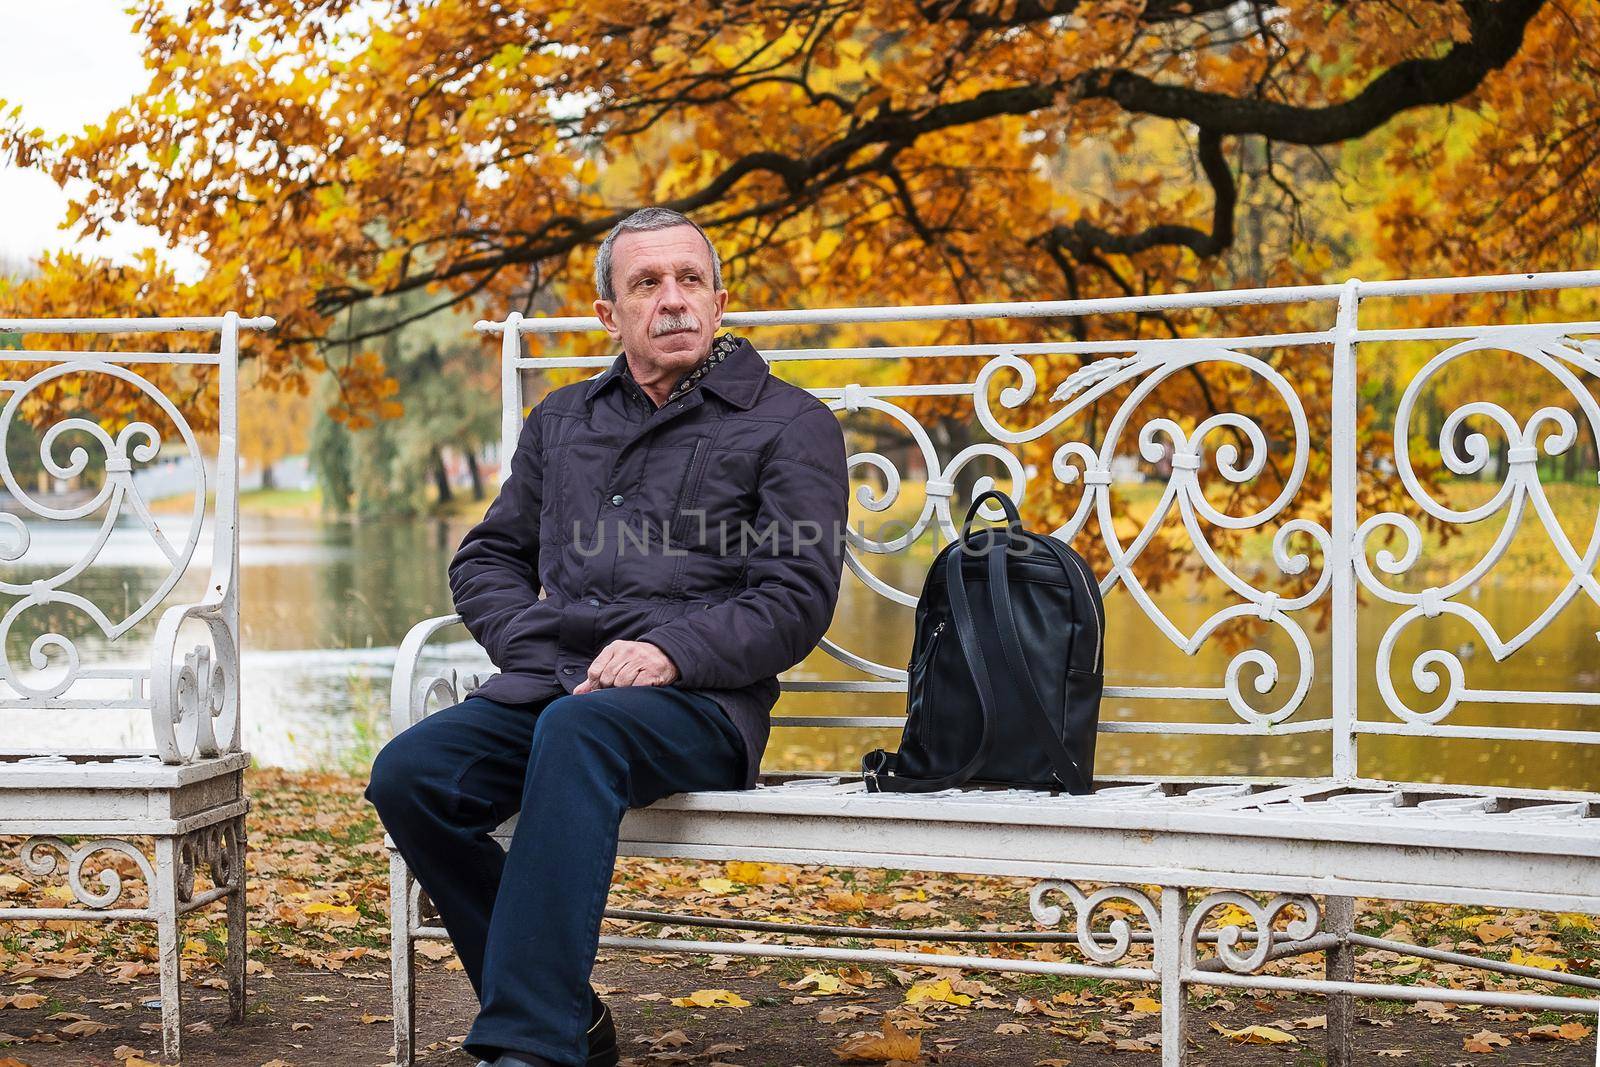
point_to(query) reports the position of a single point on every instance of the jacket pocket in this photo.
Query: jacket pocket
(687, 492)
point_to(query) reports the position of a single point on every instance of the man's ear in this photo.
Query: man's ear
(722, 305)
(607, 313)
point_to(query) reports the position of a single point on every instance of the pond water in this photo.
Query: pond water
(326, 604)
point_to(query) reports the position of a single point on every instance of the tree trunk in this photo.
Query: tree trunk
(441, 477)
(269, 479)
(477, 475)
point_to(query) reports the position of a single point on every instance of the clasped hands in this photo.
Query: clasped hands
(623, 663)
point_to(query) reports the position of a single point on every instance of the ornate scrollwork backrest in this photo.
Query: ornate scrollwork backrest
(85, 435)
(1301, 416)
(1092, 406)
(1540, 403)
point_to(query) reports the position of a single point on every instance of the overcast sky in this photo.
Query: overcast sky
(68, 63)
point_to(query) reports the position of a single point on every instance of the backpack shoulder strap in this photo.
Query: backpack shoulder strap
(1067, 771)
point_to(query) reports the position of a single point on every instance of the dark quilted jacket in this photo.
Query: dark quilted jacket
(712, 527)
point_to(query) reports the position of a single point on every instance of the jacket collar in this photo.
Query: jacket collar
(737, 379)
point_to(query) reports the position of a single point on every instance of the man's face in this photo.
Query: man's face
(667, 310)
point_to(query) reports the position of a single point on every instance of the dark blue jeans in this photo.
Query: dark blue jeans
(526, 922)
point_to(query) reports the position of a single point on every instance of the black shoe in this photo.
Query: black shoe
(602, 1034)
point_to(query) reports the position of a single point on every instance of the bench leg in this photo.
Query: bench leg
(1339, 917)
(238, 919)
(169, 946)
(1169, 965)
(402, 968)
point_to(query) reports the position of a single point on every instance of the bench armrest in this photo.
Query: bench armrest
(408, 693)
(194, 703)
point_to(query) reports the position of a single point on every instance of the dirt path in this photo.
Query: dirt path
(312, 1018)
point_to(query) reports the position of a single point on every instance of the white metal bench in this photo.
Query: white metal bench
(1298, 848)
(94, 647)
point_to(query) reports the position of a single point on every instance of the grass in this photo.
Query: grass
(298, 502)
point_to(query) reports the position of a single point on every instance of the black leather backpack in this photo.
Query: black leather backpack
(1006, 670)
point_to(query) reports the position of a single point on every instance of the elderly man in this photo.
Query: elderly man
(683, 514)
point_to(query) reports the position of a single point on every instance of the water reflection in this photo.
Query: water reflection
(326, 604)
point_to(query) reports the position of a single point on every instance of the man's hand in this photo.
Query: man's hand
(629, 663)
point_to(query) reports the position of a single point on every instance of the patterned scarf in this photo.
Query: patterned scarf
(721, 349)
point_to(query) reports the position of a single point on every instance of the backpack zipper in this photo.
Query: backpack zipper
(1094, 613)
(932, 638)
(923, 722)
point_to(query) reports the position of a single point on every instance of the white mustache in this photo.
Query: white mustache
(674, 323)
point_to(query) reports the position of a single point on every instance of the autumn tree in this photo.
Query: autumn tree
(321, 153)
(324, 155)
(273, 424)
(451, 403)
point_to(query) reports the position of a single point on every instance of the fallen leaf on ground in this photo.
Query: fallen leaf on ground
(858, 976)
(85, 1028)
(843, 1013)
(1436, 1011)
(761, 873)
(711, 998)
(23, 1000)
(822, 984)
(1485, 1041)
(1257, 1035)
(52, 971)
(670, 1039)
(938, 991)
(1529, 959)
(892, 1043)
(844, 901)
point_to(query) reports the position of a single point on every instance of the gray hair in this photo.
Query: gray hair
(648, 218)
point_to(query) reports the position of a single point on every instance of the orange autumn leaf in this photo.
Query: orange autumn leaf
(1485, 1041)
(892, 1043)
